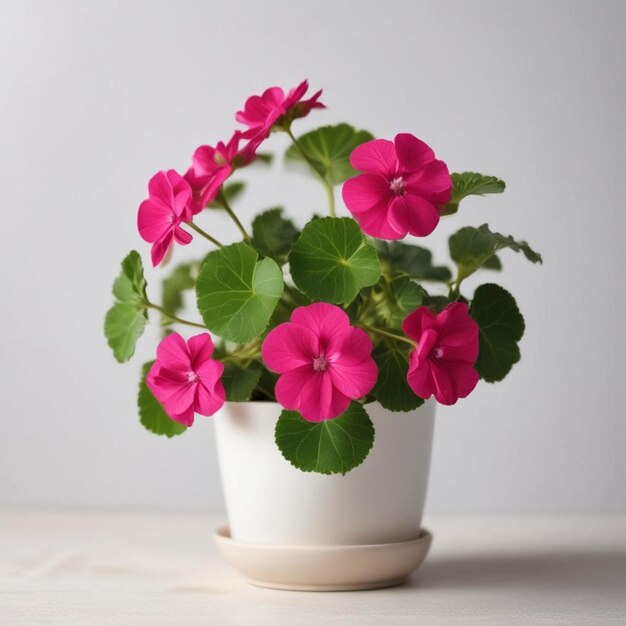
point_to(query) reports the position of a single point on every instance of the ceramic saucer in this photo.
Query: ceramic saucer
(324, 568)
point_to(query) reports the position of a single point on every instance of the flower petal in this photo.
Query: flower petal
(414, 214)
(173, 353)
(154, 220)
(320, 400)
(160, 248)
(200, 349)
(326, 321)
(354, 380)
(432, 183)
(464, 377)
(419, 376)
(290, 346)
(376, 222)
(180, 400)
(417, 322)
(210, 372)
(377, 156)
(458, 334)
(182, 236)
(160, 188)
(290, 386)
(209, 400)
(351, 347)
(186, 417)
(365, 191)
(427, 342)
(413, 153)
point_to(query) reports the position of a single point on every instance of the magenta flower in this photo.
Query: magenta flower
(402, 189)
(262, 112)
(323, 362)
(211, 167)
(185, 379)
(447, 348)
(160, 216)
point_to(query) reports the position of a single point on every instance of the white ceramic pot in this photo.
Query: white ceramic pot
(269, 501)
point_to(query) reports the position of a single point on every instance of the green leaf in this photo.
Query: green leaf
(273, 235)
(330, 447)
(126, 319)
(329, 149)
(239, 383)
(492, 263)
(237, 293)
(392, 389)
(471, 184)
(130, 285)
(331, 261)
(501, 326)
(413, 260)
(231, 192)
(402, 297)
(151, 413)
(471, 247)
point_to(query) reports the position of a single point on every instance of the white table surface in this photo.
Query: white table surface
(86, 567)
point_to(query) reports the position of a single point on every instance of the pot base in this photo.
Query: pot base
(324, 568)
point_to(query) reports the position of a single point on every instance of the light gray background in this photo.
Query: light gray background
(97, 96)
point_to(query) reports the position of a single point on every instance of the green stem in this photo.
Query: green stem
(174, 318)
(329, 188)
(206, 235)
(386, 333)
(235, 219)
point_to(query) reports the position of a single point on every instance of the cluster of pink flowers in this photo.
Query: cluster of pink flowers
(323, 361)
(175, 199)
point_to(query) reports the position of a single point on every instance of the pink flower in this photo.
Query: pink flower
(402, 189)
(185, 379)
(262, 112)
(160, 216)
(211, 167)
(323, 361)
(443, 362)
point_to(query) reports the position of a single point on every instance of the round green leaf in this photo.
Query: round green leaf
(330, 447)
(151, 413)
(126, 319)
(237, 293)
(329, 149)
(331, 261)
(501, 326)
(392, 389)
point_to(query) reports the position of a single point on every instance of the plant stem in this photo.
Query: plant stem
(386, 333)
(206, 235)
(174, 318)
(235, 219)
(329, 189)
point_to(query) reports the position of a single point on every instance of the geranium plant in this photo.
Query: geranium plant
(325, 320)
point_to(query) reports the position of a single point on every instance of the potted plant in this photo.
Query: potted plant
(321, 353)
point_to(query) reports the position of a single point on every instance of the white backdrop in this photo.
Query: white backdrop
(97, 96)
